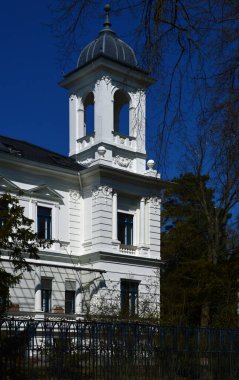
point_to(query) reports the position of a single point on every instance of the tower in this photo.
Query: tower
(119, 205)
(107, 80)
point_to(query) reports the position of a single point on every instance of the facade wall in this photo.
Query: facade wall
(96, 293)
(89, 203)
(82, 224)
(107, 299)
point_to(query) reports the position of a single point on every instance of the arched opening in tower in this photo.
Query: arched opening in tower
(89, 114)
(121, 113)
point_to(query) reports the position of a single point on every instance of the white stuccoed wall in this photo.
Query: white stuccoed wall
(154, 226)
(125, 153)
(83, 222)
(108, 295)
(101, 218)
(76, 218)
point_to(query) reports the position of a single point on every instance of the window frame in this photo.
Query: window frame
(122, 102)
(48, 227)
(3, 218)
(54, 206)
(46, 291)
(70, 289)
(89, 113)
(129, 297)
(132, 232)
(72, 309)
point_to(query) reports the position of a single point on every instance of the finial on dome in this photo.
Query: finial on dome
(107, 23)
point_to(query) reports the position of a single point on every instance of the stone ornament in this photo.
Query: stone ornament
(102, 191)
(123, 162)
(74, 195)
(106, 79)
(101, 151)
(155, 202)
(151, 172)
(107, 191)
(87, 162)
(150, 164)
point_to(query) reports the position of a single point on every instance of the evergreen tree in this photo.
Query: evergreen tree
(18, 242)
(201, 271)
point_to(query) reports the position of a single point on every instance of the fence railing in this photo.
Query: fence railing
(63, 350)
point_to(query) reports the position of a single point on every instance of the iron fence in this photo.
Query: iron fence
(64, 350)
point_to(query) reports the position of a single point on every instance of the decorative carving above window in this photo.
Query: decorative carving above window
(123, 161)
(45, 192)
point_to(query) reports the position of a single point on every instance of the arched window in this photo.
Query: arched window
(121, 113)
(89, 114)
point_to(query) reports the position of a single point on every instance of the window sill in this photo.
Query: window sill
(115, 133)
(86, 137)
(128, 249)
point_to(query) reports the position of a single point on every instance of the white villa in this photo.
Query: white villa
(100, 205)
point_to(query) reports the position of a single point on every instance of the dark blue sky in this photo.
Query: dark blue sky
(33, 107)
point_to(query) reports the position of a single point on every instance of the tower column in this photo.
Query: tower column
(80, 128)
(104, 110)
(114, 217)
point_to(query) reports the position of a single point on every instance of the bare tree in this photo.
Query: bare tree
(191, 47)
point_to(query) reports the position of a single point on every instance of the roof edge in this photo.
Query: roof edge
(102, 55)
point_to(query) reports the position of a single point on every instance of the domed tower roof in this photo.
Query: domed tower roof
(108, 44)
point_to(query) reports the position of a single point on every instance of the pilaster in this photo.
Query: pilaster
(101, 218)
(154, 226)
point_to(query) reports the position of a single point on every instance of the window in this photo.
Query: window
(121, 113)
(89, 114)
(129, 297)
(125, 228)
(70, 293)
(46, 290)
(4, 212)
(44, 222)
(4, 298)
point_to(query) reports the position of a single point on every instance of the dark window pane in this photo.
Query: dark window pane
(4, 213)
(125, 228)
(69, 302)
(44, 222)
(129, 297)
(121, 113)
(46, 288)
(46, 300)
(4, 298)
(89, 114)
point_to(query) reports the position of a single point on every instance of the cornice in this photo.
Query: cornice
(101, 63)
(113, 257)
(123, 175)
